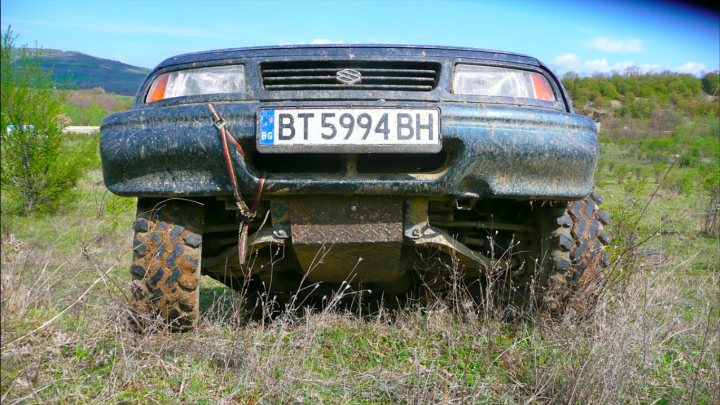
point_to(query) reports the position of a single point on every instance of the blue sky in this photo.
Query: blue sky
(583, 36)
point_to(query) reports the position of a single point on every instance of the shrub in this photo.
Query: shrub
(621, 171)
(710, 183)
(91, 115)
(37, 176)
(711, 82)
(681, 182)
(639, 173)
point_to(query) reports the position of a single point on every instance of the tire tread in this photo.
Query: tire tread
(572, 284)
(166, 257)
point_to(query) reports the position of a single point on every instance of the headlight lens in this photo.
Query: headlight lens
(501, 82)
(191, 82)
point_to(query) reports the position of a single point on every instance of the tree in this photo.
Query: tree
(35, 175)
(632, 71)
(711, 83)
(570, 82)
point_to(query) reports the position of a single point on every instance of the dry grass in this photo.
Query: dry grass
(654, 337)
(108, 102)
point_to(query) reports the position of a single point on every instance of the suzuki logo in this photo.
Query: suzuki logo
(348, 76)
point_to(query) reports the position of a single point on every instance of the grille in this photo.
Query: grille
(374, 75)
(371, 163)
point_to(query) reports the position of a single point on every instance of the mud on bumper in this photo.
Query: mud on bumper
(488, 151)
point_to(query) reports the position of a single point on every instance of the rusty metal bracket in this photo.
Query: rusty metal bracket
(416, 217)
(438, 239)
(280, 218)
(263, 238)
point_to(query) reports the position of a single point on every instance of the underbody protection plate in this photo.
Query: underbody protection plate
(342, 238)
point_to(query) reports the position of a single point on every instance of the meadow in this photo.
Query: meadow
(91, 106)
(653, 338)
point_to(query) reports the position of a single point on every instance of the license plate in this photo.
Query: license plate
(348, 130)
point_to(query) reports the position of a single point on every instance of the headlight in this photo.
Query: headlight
(502, 82)
(191, 82)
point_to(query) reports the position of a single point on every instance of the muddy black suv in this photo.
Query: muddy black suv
(392, 169)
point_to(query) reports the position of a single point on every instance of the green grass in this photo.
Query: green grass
(654, 337)
(90, 107)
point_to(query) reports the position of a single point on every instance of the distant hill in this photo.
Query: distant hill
(80, 71)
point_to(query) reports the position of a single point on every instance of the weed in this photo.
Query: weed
(653, 337)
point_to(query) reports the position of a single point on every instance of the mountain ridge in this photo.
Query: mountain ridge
(77, 70)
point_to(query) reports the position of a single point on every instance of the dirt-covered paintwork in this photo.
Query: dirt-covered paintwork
(494, 151)
(496, 147)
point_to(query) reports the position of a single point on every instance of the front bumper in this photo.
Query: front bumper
(498, 151)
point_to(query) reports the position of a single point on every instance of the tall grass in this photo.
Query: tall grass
(654, 336)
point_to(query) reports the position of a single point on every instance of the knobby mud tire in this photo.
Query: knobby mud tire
(577, 258)
(165, 270)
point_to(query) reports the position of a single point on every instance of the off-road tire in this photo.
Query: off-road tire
(574, 268)
(165, 270)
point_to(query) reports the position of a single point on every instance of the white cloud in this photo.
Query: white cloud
(651, 67)
(622, 65)
(597, 65)
(694, 68)
(602, 66)
(569, 62)
(325, 41)
(625, 45)
(316, 41)
(566, 59)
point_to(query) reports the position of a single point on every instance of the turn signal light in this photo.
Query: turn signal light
(193, 82)
(501, 82)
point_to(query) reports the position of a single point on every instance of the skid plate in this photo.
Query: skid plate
(355, 238)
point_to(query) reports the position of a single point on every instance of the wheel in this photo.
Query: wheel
(166, 263)
(574, 256)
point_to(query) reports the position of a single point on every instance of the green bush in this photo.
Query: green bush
(681, 181)
(639, 173)
(620, 172)
(38, 174)
(115, 209)
(91, 115)
(641, 96)
(711, 82)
